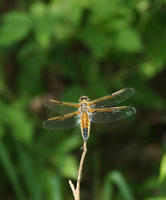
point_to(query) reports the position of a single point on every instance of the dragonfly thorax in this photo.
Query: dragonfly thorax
(83, 107)
(83, 101)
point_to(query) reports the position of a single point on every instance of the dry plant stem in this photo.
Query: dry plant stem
(76, 191)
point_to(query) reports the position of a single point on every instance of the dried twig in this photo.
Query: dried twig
(76, 191)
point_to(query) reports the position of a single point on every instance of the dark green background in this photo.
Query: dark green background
(66, 49)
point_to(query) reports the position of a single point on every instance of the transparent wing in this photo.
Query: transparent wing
(113, 99)
(62, 122)
(102, 115)
(61, 107)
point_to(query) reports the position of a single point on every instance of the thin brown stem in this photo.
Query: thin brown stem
(76, 191)
(72, 188)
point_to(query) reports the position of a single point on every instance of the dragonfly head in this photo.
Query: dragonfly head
(83, 98)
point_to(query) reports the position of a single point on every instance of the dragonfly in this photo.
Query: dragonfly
(100, 110)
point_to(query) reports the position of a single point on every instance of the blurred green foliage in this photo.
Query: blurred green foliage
(116, 178)
(67, 49)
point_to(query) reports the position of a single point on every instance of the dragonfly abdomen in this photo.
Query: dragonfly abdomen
(85, 125)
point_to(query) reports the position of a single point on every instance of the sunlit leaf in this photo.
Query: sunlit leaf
(128, 40)
(148, 69)
(69, 168)
(163, 168)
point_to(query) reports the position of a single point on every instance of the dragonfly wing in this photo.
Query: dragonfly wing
(102, 115)
(113, 99)
(62, 122)
(61, 107)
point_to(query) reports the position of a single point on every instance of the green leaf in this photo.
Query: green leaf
(156, 47)
(2, 131)
(105, 11)
(128, 40)
(11, 171)
(44, 23)
(97, 41)
(38, 9)
(54, 186)
(116, 178)
(70, 12)
(29, 173)
(156, 198)
(16, 26)
(68, 144)
(22, 127)
(14, 116)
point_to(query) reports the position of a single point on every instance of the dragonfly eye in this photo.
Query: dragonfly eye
(83, 98)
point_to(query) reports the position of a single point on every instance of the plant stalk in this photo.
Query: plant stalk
(76, 191)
